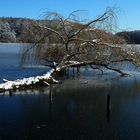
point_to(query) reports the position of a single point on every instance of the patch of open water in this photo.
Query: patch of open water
(77, 109)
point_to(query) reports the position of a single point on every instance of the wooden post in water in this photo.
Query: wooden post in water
(108, 107)
(78, 70)
(73, 72)
(10, 93)
(108, 101)
(50, 98)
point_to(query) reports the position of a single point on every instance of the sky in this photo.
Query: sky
(128, 15)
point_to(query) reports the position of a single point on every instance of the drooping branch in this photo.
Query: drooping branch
(99, 19)
(117, 70)
(54, 31)
(96, 68)
(96, 63)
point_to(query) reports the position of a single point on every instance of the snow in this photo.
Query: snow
(9, 85)
(74, 62)
(82, 44)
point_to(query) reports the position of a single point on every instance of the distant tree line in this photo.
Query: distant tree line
(25, 30)
(131, 37)
(22, 30)
(17, 30)
(12, 29)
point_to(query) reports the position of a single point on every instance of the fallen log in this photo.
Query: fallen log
(46, 79)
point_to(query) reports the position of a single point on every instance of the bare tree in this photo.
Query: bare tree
(73, 43)
(62, 43)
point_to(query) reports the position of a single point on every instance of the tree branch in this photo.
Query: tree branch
(54, 31)
(117, 70)
(101, 18)
(96, 68)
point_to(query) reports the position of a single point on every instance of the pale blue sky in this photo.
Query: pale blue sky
(129, 17)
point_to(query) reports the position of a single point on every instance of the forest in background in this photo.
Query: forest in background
(13, 29)
(17, 29)
(131, 37)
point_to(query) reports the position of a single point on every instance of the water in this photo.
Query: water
(9, 63)
(74, 110)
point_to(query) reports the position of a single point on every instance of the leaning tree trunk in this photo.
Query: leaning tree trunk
(24, 83)
(48, 78)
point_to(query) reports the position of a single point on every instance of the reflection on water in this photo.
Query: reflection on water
(81, 111)
(108, 107)
(90, 107)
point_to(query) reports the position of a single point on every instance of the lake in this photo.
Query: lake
(74, 110)
(10, 60)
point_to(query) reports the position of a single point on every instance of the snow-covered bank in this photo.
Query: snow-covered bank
(26, 82)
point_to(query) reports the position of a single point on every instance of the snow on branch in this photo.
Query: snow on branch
(27, 82)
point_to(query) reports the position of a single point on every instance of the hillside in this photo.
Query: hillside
(12, 29)
(131, 37)
(22, 30)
